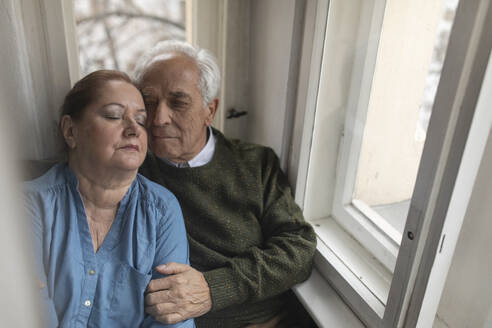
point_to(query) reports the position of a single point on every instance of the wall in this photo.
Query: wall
(271, 28)
(236, 71)
(467, 297)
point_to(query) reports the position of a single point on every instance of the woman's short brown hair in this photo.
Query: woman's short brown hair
(86, 90)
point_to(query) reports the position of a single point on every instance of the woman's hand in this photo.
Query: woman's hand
(182, 295)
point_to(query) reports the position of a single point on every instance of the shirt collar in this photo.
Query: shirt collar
(204, 156)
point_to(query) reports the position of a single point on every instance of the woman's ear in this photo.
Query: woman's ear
(68, 130)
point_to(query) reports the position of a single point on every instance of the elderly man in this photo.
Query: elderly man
(249, 243)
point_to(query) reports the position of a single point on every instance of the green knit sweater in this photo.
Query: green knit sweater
(246, 233)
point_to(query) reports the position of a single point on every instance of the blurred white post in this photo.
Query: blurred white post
(18, 135)
(18, 296)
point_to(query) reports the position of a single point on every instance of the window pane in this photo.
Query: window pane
(114, 33)
(406, 76)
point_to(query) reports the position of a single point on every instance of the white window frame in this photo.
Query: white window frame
(62, 45)
(340, 259)
(365, 225)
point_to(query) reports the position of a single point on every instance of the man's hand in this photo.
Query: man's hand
(182, 295)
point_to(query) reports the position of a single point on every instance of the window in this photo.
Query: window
(113, 34)
(369, 157)
(397, 116)
(46, 34)
(386, 117)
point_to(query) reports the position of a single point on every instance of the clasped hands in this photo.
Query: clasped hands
(183, 294)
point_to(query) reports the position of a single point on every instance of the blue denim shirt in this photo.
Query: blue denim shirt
(81, 288)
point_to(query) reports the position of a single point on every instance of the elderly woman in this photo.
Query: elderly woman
(100, 229)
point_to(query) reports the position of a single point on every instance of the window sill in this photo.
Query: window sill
(324, 304)
(363, 229)
(361, 281)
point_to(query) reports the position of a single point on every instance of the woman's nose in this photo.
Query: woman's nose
(132, 128)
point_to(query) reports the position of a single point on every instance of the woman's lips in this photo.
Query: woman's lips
(131, 147)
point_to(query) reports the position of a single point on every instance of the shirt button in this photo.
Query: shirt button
(87, 303)
(91, 272)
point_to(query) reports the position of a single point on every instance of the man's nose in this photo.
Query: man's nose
(162, 114)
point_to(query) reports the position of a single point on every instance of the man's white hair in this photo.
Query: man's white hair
(209, 81)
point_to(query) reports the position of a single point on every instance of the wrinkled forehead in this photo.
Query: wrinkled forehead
(170, 66)
(169, 74)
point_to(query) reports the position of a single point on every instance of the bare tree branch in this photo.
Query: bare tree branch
(111, 44)
(108, 29)
(132, 5)
(131, 15)
(156, 34)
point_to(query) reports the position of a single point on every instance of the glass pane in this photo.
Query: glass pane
(407, 72)
(114, 33)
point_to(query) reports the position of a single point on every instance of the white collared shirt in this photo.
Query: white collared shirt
(204, 156)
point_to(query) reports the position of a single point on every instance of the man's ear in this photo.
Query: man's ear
(211, 110)
(68, 131)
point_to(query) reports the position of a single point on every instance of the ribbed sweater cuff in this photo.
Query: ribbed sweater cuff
(223, 290)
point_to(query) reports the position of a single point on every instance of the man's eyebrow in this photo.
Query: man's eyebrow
(180, 94)
(147, 91)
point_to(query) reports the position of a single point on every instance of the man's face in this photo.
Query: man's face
(177, 120)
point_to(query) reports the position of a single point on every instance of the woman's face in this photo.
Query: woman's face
(110, 133)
